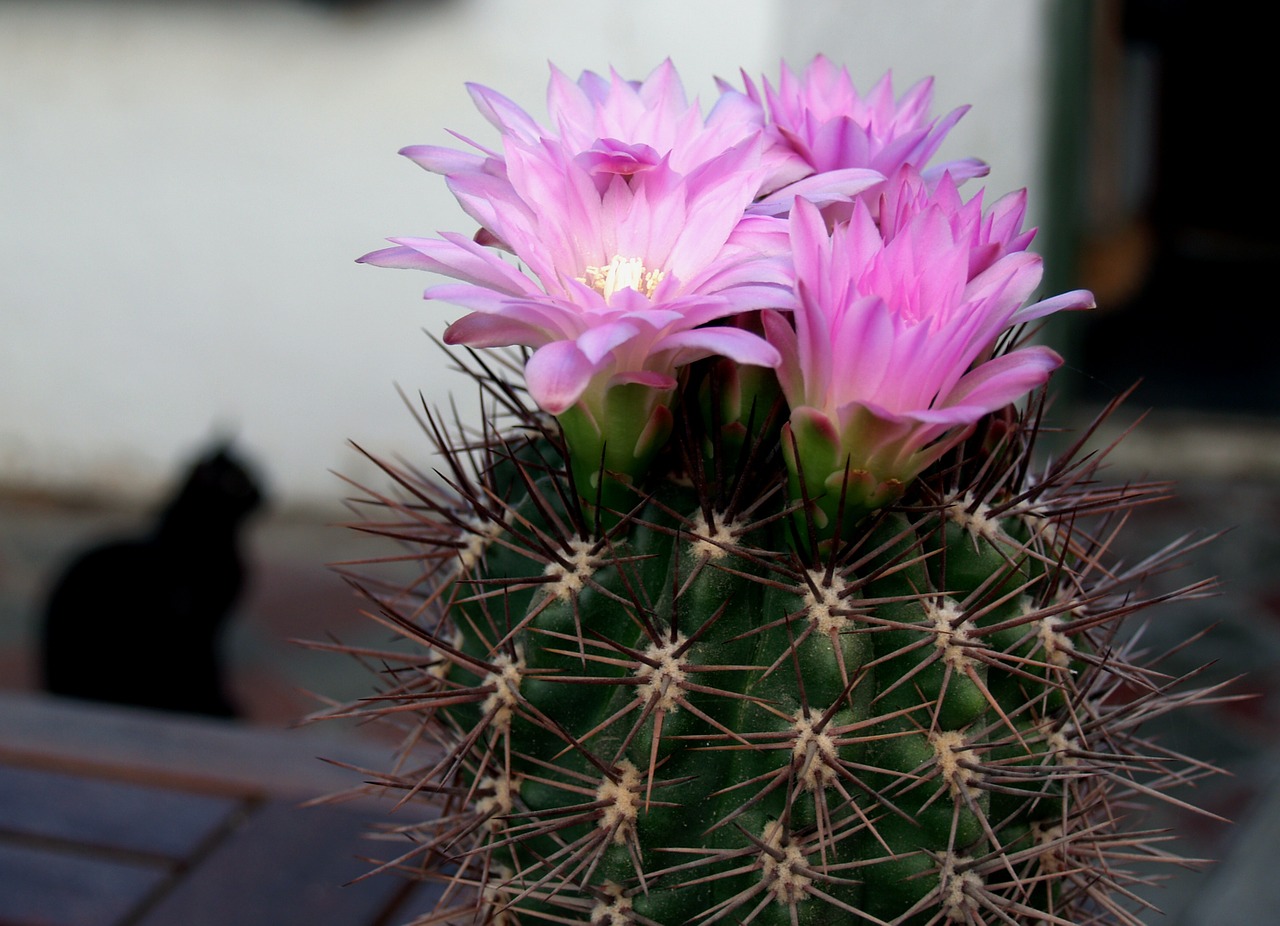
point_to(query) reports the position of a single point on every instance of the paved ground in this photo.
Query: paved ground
(1228, 477)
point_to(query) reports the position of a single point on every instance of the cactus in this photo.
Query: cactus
(690, 641)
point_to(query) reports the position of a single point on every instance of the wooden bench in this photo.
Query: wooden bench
(118, 817)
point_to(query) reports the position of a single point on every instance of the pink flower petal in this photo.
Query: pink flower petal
(465, 260)
(557, 374)
(597, 342)
(1073, 301)
(440, 160)
(722, 340)
(503, 114)
(648, 378)
(1004, 379)
(779, 332)
(820, 189)
(483, 330)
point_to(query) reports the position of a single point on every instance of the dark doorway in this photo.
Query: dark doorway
(1198, 98)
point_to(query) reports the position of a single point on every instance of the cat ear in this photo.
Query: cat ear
(222, 440)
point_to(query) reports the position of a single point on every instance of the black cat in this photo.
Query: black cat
(137, 620)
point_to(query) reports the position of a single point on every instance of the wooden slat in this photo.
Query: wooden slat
(108, 814)
(43, 886)
(177, 751)
(286, 866)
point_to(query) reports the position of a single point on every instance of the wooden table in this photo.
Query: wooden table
(116, 817)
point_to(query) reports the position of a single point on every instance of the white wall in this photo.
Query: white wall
(184, 188)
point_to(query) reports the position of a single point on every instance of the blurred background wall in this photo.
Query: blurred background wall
(184, 188)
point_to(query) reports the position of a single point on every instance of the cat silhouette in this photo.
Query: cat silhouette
(138, 620)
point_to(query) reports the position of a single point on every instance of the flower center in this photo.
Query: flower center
(622, 273)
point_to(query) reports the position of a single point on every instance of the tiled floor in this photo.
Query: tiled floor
(1228, 479)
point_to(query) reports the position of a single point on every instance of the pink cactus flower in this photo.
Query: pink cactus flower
(618, 126)
(620, 282)
(821, 118)
(628, 263)
(890, 357)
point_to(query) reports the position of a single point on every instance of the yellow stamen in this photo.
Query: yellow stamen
(622, 273)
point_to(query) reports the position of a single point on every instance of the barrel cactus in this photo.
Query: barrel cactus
(751, 599)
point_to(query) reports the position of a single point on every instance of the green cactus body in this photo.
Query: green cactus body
(674, 715)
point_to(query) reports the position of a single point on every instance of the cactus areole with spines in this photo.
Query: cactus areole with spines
(750, 601)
